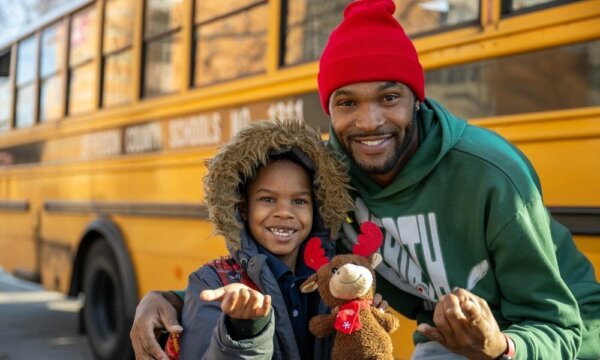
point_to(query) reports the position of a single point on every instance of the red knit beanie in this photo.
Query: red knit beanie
(369, 45)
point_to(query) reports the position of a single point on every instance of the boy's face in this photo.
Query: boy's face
(280, 209)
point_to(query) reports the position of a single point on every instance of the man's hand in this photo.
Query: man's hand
(465, 325)
(379, 303)
(157, 310)
(239, 301)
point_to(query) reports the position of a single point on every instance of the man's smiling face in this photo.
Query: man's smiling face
(374, 123)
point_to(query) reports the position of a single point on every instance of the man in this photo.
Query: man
(470, 250)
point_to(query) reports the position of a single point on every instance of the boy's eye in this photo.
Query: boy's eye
(300, 202)
(266, 199)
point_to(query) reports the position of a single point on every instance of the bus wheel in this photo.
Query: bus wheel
(106, 323)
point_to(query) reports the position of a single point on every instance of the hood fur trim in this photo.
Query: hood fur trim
(249, 150)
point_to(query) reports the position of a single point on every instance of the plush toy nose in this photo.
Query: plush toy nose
(350, 282)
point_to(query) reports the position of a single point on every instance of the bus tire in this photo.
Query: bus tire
(106, 322)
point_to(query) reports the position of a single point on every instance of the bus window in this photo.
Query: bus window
(423, 16)
(162, 16)
(497, 86)
(5, 93)
(116, 49)
(516, 5)
(230, 40)
(163, 46)
(82, 74)
(308, 23)
(51, 92)
(26, 70)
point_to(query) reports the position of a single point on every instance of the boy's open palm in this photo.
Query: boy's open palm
(238, 301)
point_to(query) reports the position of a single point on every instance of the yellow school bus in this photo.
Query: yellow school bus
(109, 108)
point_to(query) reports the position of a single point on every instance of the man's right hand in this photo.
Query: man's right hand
(157, 310)
(239, 301)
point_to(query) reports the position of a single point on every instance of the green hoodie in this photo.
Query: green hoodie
(466, 211)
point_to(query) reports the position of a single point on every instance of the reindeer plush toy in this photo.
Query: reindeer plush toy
(347, 283)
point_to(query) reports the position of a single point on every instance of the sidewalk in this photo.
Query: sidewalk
(38, 324)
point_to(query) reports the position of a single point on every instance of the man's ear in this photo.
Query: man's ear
(376, 259)
(310, 284)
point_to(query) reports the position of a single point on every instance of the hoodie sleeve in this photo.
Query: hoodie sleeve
(205, 333)
(543, 312)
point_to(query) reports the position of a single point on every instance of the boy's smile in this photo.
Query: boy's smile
(280, 209)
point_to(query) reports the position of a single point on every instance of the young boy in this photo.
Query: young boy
(273, 186)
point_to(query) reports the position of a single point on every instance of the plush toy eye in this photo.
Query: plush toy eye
(334, 270)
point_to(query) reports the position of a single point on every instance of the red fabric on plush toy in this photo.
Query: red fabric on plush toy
(347, 282)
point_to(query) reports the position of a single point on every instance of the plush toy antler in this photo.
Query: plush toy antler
(369, 239)
(314, 254)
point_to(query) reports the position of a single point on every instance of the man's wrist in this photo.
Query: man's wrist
(509, 353)
(173, 299)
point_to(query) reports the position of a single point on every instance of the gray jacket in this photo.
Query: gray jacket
(206, 336)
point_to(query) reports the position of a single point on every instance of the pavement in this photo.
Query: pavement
(38, 324)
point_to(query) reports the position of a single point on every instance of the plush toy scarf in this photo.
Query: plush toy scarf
(348, 319)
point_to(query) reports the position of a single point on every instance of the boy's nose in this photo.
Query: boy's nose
(283, 211)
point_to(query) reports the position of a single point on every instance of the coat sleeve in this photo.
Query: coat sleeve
(205, 334)
(543, 313)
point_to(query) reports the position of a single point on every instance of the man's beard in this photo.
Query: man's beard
(393, 160)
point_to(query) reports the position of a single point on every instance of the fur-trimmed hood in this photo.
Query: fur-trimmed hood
(250, 150)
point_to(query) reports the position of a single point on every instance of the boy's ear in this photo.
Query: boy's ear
(310, 284)
(376, 259)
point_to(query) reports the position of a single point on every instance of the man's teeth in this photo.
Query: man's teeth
(372, 142)
(282, 232)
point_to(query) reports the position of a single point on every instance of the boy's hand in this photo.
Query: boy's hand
(465, 325)
(239, 301)
(156, 310)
